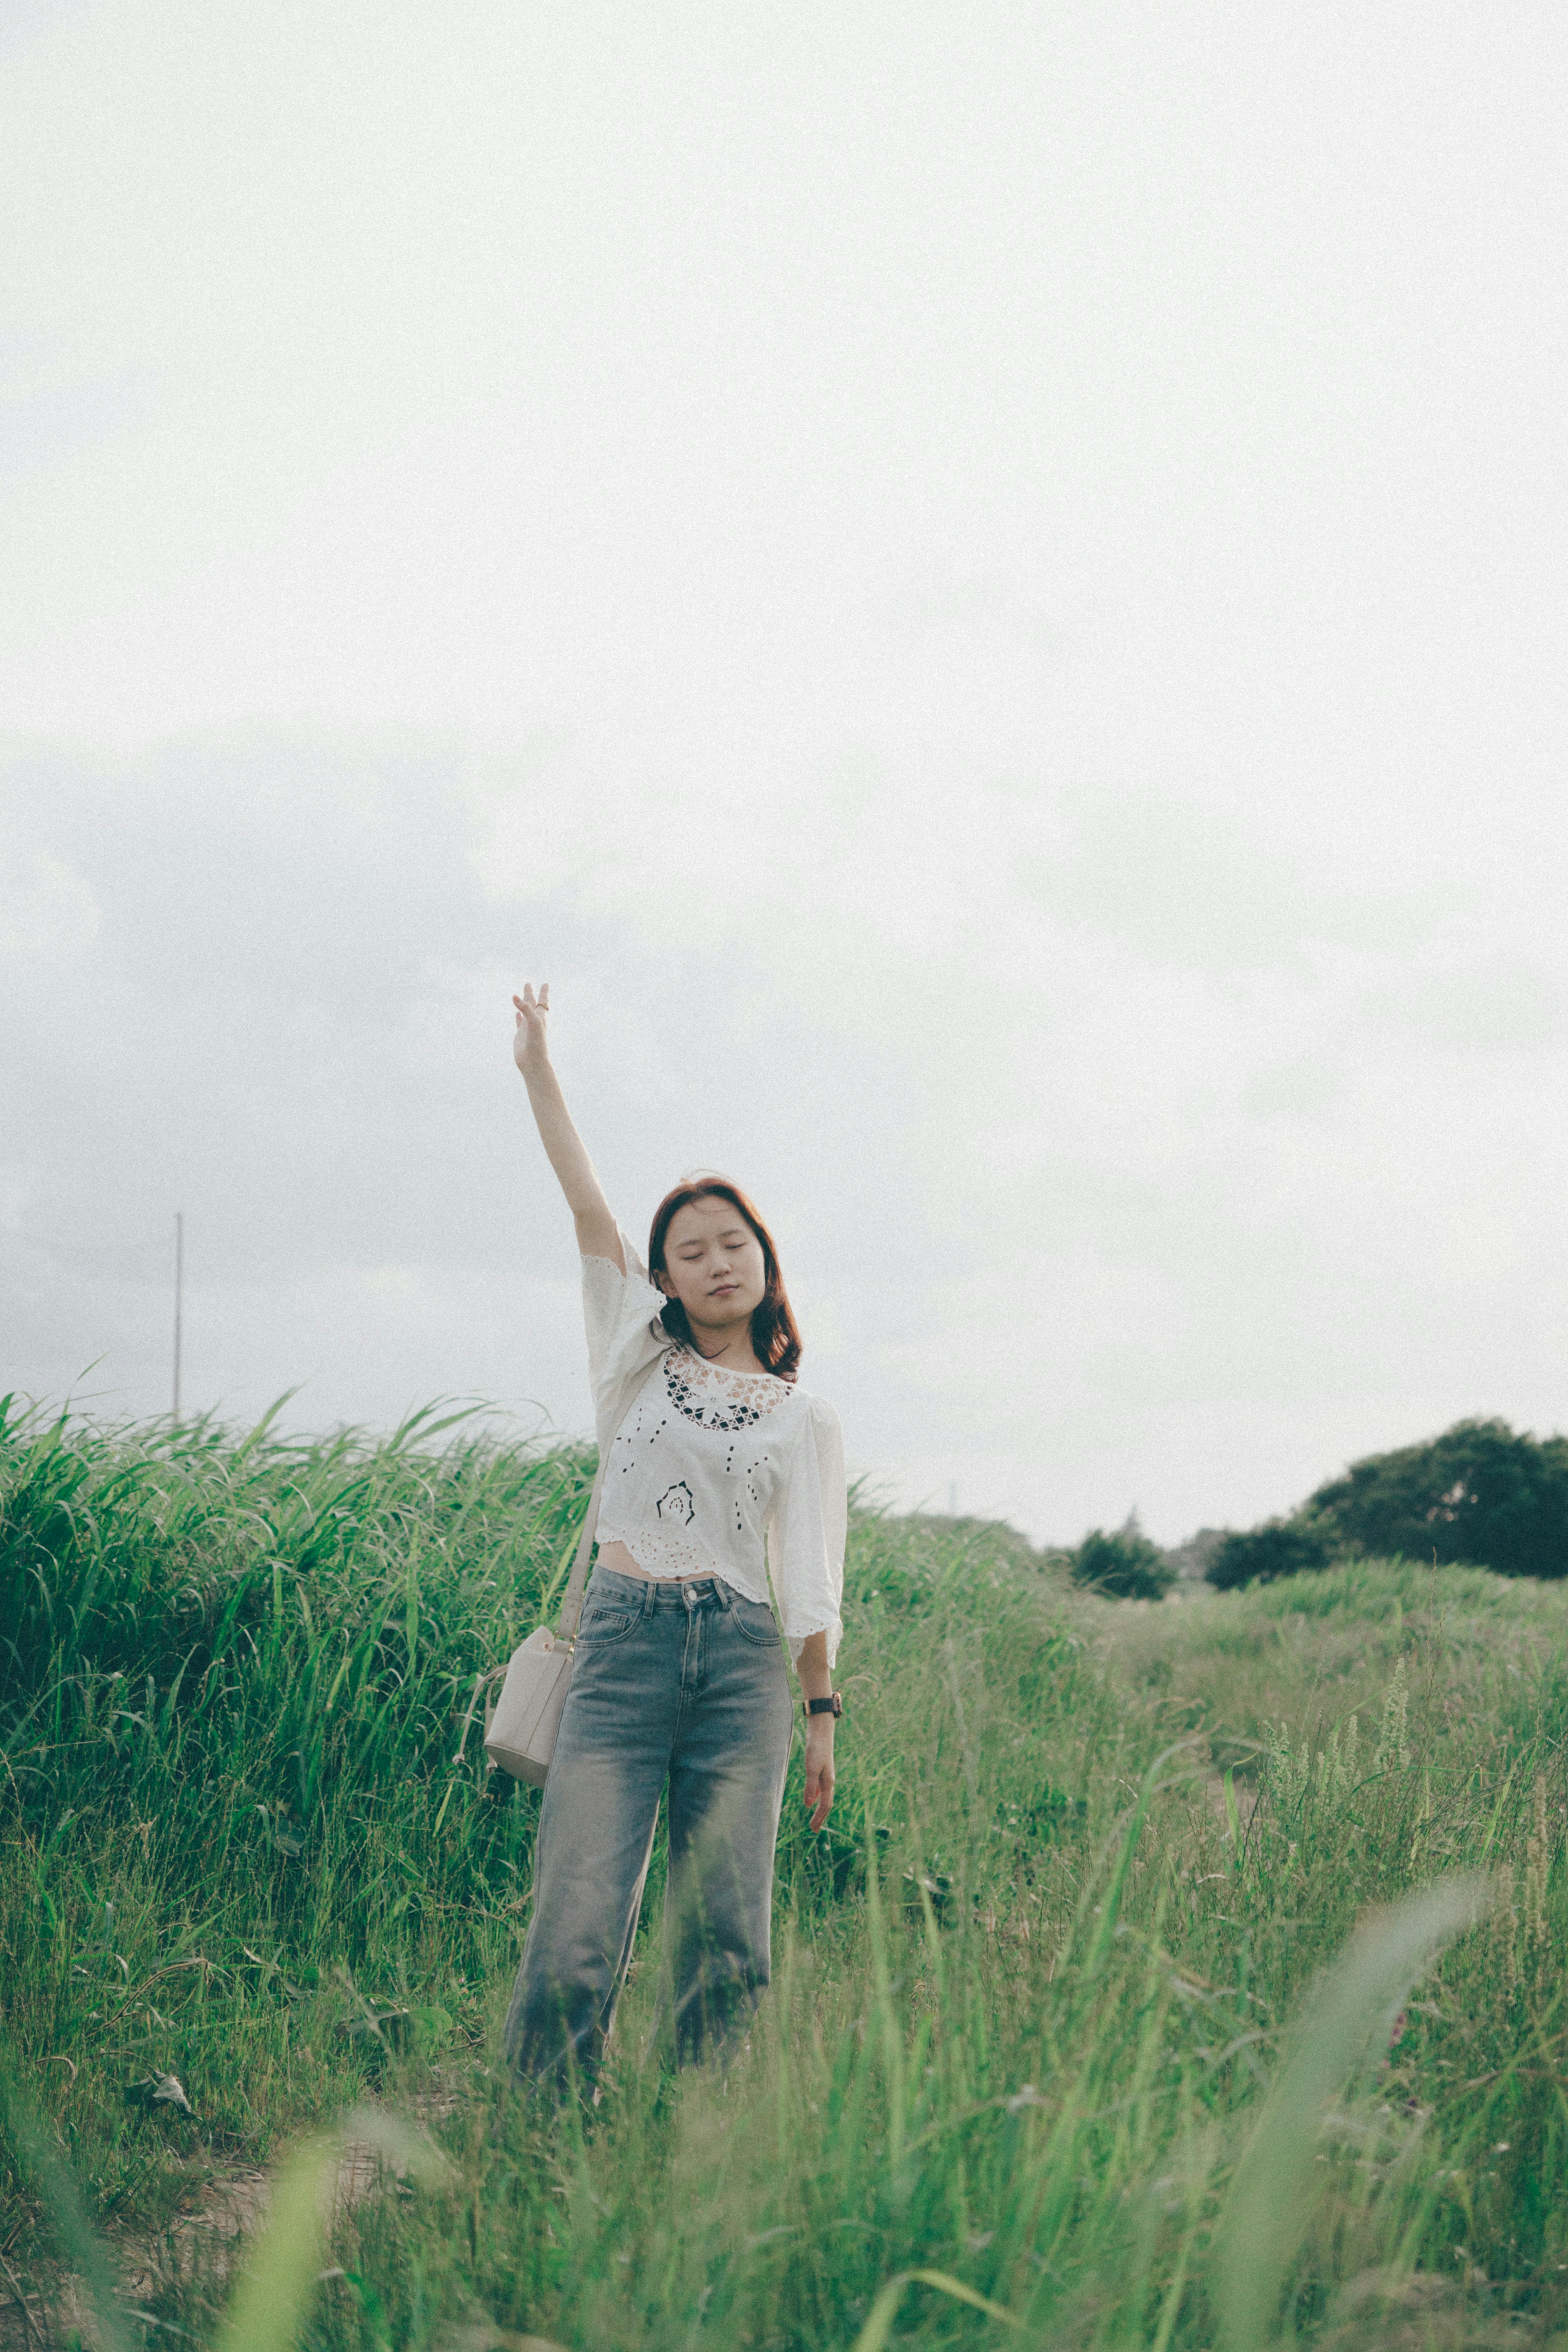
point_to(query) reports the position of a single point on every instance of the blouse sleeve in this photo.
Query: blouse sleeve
(806, 1534)
(624, 1336)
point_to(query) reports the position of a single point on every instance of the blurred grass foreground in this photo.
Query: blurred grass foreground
(1174, 1974)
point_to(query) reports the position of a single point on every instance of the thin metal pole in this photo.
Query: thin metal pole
(179, 1300)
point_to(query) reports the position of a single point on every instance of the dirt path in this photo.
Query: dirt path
(207, 2236)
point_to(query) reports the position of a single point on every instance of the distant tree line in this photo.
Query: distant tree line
(1482, 1493)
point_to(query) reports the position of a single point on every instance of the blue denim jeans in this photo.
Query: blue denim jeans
(681, 1682)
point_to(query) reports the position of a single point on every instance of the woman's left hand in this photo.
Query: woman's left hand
(820, 1768)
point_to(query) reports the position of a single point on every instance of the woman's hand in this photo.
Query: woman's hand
(820, 1768)
(530, 1046)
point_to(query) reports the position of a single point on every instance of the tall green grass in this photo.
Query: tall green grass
(1050, 2053)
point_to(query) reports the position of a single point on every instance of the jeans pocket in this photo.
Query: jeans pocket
(603, 1625)
(754, 1622)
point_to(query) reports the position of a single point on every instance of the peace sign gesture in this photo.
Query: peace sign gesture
(530, 1049)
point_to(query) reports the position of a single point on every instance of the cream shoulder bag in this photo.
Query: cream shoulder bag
(520, 1728)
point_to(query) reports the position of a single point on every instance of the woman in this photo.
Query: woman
(718, 1469)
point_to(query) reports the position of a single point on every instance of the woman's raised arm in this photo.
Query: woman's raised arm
(597, 1233)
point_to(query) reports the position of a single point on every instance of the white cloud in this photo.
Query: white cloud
(461, 1017)
(49, 913)
(981, 597)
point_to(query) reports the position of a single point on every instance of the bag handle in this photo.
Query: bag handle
(572, 1600)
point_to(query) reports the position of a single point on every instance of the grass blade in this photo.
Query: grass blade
(40, 2156)
(1271, 2201)
(280, 2281)
(873, 2336)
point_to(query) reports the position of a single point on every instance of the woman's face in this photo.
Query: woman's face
(713, 1261)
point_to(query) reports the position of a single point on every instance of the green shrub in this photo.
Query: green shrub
(1278, 1548)
(1482, 1493)
(1125, 1565)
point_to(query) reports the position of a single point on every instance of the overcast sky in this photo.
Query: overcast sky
(981, 589)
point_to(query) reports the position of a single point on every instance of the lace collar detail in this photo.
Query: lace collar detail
(716, 1399)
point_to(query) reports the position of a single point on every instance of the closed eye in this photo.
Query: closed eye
(736, 1238)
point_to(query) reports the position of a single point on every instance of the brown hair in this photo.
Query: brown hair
(775, 1341)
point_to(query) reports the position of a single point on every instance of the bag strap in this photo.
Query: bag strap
(572, 1600)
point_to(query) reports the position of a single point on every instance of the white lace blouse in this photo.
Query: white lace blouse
(735, 1473)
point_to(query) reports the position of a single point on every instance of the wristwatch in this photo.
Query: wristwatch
(833, 1705)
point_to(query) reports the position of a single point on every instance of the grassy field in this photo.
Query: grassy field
(1073, 2039)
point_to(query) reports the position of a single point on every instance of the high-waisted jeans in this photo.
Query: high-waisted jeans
(681, 1681)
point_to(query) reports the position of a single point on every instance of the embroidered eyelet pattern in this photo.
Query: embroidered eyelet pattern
(661, 1554)
(720, 1400)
